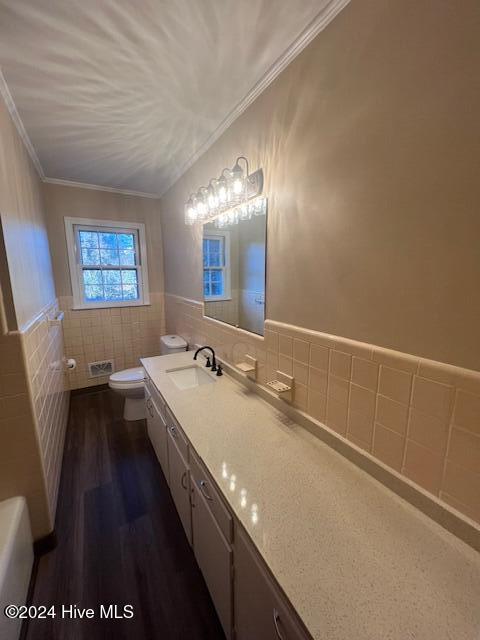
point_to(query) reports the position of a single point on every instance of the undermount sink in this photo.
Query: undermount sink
(189, 377)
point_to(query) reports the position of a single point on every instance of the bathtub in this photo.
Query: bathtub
(16, 561)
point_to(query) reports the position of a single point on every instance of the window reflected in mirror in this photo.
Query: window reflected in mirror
(234, 258)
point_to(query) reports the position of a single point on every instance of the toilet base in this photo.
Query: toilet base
(134, 409)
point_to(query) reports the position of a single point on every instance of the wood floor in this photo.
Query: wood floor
(120, 540)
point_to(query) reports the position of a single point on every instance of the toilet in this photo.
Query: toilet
(129, 382)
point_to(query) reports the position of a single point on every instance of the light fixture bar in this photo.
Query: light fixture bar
(234, 188)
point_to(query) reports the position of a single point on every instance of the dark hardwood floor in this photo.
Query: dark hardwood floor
(120, 540)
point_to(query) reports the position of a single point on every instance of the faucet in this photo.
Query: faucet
(214, 362)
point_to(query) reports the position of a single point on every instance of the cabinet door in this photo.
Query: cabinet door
(157, 432)
(261, 610)
(214, 557)
(180, 485)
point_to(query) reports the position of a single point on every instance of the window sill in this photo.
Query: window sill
(89, 307)
(220, 299)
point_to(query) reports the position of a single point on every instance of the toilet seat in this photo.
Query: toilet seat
(127, 379)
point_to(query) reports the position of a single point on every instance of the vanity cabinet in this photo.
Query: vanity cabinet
(179, 481)
(248, 602)
(157, 431)
(213, 554)
(261, 610)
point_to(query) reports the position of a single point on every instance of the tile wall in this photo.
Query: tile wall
(44, 352)
(33, 417)
(122, 334)
(419, 417)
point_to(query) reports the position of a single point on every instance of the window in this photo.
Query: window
(216, 267)
(108, 263)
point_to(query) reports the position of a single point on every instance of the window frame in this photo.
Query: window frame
(226, 268)
(72, 227)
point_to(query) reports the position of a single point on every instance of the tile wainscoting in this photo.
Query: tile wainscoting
(33, 417)
(44, 353)
(124, 334)
(418, 417)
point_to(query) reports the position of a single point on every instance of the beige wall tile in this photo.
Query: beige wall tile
(340, 364)
(317, 404)
(300, 397)
(319, 357)
(423, 466)
(388, 446)
(337, 415)
(285, 345)
(467, 411)
(301, 350)
(395, 360)
(360, 427)
(318, 380)
(395, 384)
(300, 373)
(362, 401)
(463, 485)
(365, 373)
(285, 364)
(428, 430)
(432, 397)
(271, 340)
(464, 450)
(338, 389)
(391, 414)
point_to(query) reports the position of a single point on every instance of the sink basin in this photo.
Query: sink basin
(189, 377)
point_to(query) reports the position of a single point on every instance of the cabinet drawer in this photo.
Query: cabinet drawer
(261, 609)
(152, 391)
(216, 504)
(177, 434)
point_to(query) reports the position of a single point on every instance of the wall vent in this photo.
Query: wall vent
(100, 368)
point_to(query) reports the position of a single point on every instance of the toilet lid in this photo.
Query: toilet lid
(135, 374)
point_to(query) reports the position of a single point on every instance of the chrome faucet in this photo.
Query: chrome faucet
(213, 364)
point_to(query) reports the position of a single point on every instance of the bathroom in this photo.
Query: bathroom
(239, 320)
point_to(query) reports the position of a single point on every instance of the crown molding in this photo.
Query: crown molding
(12, 110)
(98, 187)
(318, 24)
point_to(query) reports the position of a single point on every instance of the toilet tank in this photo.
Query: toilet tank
(172, 344)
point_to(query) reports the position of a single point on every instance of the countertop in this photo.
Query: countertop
(356, 561)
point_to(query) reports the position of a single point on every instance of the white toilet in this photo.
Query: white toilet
(129, 382)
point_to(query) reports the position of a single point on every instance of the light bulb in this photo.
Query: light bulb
(212, 199)
(237, 186)
(190, 211)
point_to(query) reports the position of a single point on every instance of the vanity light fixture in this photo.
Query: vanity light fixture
(235, 195)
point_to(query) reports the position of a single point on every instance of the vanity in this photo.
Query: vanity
(293, 540)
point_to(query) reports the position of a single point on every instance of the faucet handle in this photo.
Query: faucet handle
(208, 363)
(219, 370)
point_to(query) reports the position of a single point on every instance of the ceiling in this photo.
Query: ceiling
(127, 94)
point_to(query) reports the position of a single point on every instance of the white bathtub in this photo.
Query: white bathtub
(16, 560)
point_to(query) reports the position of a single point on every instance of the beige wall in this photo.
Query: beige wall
(24, 227)
(62, 201)
(369, 143)
(33, 399)
(123, 335)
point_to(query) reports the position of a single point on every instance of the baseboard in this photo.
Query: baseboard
(45, 544)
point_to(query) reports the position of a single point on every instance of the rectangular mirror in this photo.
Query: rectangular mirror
(234, 257)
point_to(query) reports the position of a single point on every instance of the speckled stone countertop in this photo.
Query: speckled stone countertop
(356, 561)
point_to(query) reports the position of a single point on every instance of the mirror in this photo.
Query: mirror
(234, 255)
